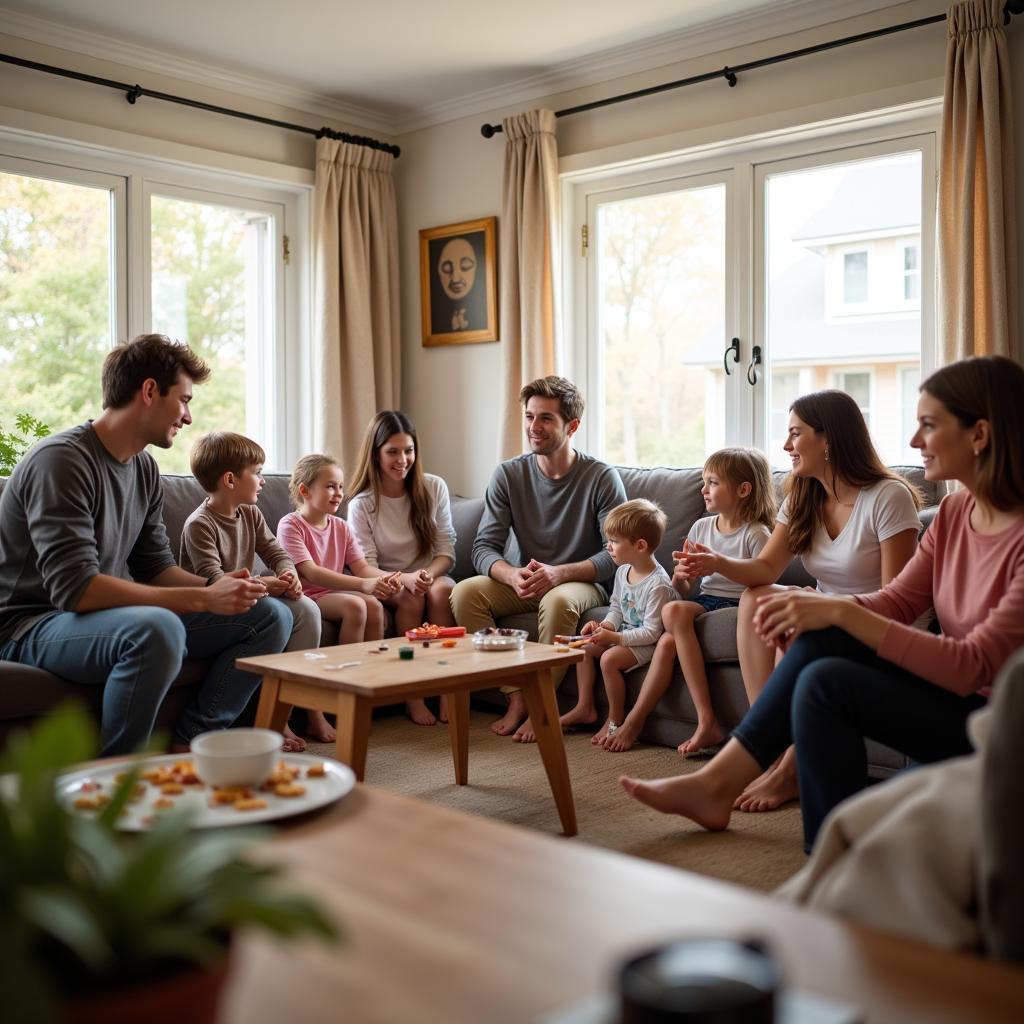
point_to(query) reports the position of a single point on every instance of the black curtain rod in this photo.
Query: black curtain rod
(730, 73)
(133, 92)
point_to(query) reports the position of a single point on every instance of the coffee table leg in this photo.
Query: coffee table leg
(270, 712)
(458, 729)
(353, 728)
(539, 694)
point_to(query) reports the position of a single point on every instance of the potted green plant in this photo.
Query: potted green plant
(100, 924)
(14, 443)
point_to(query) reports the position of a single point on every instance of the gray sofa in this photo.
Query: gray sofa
(26, 693)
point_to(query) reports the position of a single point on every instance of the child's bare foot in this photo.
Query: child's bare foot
(623, 738)
(442, 712)
(768, 792)
(707, 734)
(578, 716)
(418, 711)
(292, 744)
(688, 795)
(601, 735)
(319, 729)
(525, 733)
(513, 718)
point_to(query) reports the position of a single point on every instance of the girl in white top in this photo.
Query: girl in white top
(402, 519)
(738, 488)
(852, 521)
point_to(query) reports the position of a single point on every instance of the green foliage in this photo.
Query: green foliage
(84, 906)
(14, 443)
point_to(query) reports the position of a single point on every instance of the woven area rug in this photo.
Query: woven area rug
(507, 782)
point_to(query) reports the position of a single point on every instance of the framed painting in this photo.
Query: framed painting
(458, 283)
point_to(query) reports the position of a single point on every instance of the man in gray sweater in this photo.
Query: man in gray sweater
(89, 588)
(540, 546)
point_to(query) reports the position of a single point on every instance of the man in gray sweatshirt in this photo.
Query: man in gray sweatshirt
(540, 545)
(89, 588)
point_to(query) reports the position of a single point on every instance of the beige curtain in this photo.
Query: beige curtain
(356, 301)
(528, 265)
(977, 242)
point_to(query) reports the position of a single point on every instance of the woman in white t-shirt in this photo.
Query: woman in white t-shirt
(852, 521)
(402, 519)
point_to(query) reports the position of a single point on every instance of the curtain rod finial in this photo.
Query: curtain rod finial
(489, 130)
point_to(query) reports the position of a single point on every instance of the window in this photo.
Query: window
(911, 274)
(857, 384)
(910, 381)
(855, 277)
(206, 268)
(806, 249)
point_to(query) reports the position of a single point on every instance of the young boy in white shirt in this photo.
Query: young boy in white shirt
(627, 636)
(227, 532)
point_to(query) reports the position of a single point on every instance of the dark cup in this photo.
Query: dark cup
(700, 981)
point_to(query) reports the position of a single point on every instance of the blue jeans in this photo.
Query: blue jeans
(135, 654)
(711, 602)
(830, 693)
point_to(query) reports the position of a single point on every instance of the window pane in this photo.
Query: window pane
(661, 313)
(834, 233)
(207, 262)
(855, 277)
(55, 310)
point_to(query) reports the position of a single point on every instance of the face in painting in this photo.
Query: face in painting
(457, 268)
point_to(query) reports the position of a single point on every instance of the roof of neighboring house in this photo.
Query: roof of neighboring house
(876, 195)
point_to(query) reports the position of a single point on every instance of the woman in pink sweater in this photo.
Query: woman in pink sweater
(854, 667)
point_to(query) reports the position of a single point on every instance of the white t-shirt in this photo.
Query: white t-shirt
(385, 533)
(746, 542)
(852, 563)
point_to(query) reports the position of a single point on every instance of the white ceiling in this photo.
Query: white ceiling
(395, 62)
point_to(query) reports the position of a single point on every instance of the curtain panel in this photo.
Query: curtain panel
(977, 241)
(528, 265)
(357, 341)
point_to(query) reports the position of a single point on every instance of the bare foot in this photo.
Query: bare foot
(578, 716)
(623, 738)
(319, 729)
(292, 744)
(688, 795)
(511, 720)
(442, 712)
(775, 787)
(418, 711)
(601, 735)
(707, 734)
(525, 733)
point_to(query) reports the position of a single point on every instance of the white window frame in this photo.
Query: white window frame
(287, 363)
(912, 274)
(750, 160)
(838, 378)
(856, 304)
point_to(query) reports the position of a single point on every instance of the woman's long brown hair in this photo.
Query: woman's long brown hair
(367, 475)
(851, 455)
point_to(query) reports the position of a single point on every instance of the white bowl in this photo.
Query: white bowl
(499, 639)
(236, 757)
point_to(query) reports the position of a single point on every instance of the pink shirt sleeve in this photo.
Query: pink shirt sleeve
(289, 536)
(346, 541)
(908, 595)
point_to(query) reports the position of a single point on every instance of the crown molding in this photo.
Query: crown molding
(785, 18)
(133, 55)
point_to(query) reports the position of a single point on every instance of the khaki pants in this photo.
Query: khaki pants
(479, 601)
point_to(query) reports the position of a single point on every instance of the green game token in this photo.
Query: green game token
(405, 653)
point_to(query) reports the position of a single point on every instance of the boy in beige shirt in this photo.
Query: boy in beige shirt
(228, 531)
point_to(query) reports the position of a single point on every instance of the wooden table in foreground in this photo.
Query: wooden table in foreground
(455, 919)
(376, 678)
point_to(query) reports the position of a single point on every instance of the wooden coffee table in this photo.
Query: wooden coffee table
(451, 918)
(370, 678)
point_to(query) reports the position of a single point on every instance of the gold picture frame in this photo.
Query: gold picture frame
(458, 283)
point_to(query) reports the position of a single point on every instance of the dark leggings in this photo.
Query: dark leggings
(830, 693)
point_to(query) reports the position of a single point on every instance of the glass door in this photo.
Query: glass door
(660, 322)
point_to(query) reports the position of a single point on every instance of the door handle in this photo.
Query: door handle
(734, 348)
(755, 362)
